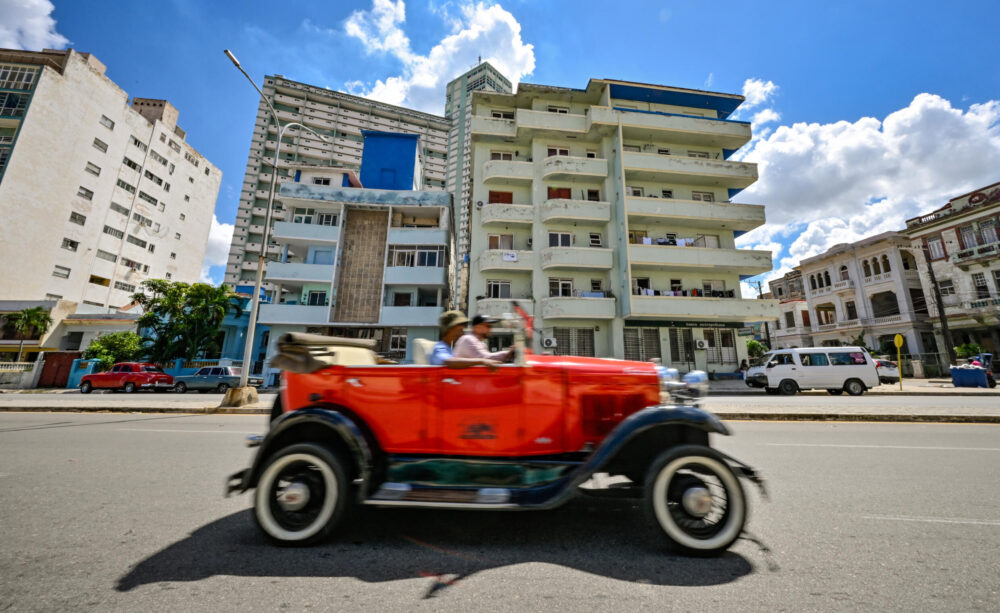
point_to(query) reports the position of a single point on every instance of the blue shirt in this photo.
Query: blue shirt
(440, 353)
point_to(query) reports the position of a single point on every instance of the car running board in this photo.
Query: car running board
(404, 495)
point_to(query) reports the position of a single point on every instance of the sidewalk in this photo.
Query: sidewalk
(911, 387)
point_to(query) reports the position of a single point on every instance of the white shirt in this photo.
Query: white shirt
(469, 346)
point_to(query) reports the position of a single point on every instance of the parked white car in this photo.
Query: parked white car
(888, 372)
(835, 369)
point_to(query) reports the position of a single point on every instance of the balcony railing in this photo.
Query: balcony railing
(497, 170)
(576, 258)
(499, 306)
(575, 210)
(742, 261)
(691, 170)
(566, 307)
(506, 259)
(703, 308)
(827, 327)
(845, 284)
(989, 250)
(499, 213)
(984, 303)
(569, 168)
(694, 213)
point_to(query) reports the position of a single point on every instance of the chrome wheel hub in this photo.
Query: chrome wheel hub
(697, 501)
(294, 497)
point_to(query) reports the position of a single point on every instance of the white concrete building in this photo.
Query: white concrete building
(962, 240)
(606, 212)
(458, 109)
(338, 116)
(869, 288)
(794, 327)
(96, 195)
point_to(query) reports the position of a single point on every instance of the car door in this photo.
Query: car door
(480, 412)
(106, 379)
(197, 380)
(394, 401)
(782, 366)
(815, 371)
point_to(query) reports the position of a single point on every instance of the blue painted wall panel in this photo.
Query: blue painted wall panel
(388, 160)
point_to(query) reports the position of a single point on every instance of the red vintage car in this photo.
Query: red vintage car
(128, 377)
(349, 430)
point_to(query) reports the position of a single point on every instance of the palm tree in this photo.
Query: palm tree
(27, 323)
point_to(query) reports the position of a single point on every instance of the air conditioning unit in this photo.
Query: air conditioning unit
(549, 343)
(700, 344)
(479, 204)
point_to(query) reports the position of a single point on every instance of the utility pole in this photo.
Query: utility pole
(767, 330)
(942, 319)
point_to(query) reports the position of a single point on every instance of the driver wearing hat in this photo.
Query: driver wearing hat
(473, 343)
(452, 323)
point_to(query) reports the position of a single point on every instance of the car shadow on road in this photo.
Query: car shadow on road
(608, 538)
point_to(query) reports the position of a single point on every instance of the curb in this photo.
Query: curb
(868, 417)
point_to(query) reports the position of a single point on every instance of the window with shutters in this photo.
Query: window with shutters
(553, 151)
(500, 241)
(681, 345)
(935, 248)
(497, 288)
(721, 346)
(642, 344)
(574, 341)
(979, 281)
(560, 239)
(562, 193)
(502, 155)
(501, 197)
(790, 319)
(560, 287)
(703, 196)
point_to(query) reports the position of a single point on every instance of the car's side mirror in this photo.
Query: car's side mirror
(771, 364)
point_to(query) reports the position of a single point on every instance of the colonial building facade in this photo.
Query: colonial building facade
(794, 325)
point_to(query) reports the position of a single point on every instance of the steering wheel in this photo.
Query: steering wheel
(509, 358)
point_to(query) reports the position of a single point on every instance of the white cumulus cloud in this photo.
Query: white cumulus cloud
(217, 251)
(482, 30)
(28, 24)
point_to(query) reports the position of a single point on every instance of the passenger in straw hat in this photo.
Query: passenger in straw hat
(452, 325)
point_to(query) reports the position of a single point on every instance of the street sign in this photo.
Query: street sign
(747, 331)
(898, 341)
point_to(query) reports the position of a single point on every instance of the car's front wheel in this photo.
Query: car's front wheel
(86, 387)
(696, 500)
(301, 495)
(180, 387)
(222, 387)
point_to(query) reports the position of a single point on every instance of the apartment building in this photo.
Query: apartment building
(605, 212)
(359, 262)
(962, 241)
(458, 110)
(340, 118)
(96, 194)
(870, 288)
(794, 325)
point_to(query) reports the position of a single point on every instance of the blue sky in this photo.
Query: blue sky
(865, 113)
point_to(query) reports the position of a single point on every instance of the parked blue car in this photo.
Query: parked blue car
(213, 379)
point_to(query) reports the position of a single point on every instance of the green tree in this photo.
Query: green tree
(182, 320)
(115, 347)
(27, 323)
(756, 349)
(968, 350)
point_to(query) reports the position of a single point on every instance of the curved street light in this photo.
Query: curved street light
(262, 258)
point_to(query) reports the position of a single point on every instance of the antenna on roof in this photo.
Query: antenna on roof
(480, 59)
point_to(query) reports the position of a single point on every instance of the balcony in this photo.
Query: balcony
(414, 275)
(575, 210)
(543, 121)
(305, 233)
(703, 309)
(288, 272)
(491, 127)
(577, 308)
(576, 258)
(506, 260)
(842, 285)
(692, 213)
(418, 236)
(499, 306)
(689, 170)
(681, 129)
(298, 314)
(276, 213)
(570, 168)
(826, 327)
(407, 316)
(741, 261)
(504, 172)
(983, 303)
(963, 259)
(498, 213)
(848, 323)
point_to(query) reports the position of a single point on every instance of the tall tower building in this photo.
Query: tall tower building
(96, 194)
(458, 109)
(606, 212)
(338, 116)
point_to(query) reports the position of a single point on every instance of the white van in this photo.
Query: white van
(835, 369)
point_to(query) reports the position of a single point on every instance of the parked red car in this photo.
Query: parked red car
(350, 430)
(128, 377)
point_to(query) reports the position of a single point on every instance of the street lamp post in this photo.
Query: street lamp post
(241, 395)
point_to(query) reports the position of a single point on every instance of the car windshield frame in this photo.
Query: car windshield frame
(155, 369)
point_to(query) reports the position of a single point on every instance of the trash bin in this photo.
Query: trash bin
(968, 377)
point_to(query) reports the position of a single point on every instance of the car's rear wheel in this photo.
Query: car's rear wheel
(835, 392)
(301, 495)
(788, 387)
(180, 387)
(86, 387)
(222, 387)
(129, 387)
(854, 387)
(696, 500)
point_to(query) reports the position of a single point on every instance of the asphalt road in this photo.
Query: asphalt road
(125, 512)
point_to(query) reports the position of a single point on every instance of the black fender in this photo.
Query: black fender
(314, 425)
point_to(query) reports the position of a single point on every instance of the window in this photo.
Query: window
(107, 123)
(502, 114)
(852, 309)
(177, 235)
(191, 158)
(996, 279)
(790, 320)
(53, 297)
(317, 298)
(163, 137)
(102, 281)
(501, 155)
(113, 232)
(703, 196)
(321, 180)
(562, 110)
(173, 256)
(561, 193)
(634, 191)
(136, 241)
(117, 208)
(988, 230)
(70, 245)
(676, 285)
(126, 186)
(594, 195)
(182, 217)
(560, 239)
(137, 266)
(190, 179)
(326, 219)
(152, 177)
(713, 287)
(721, 346)
(187, 198)
(146, 221)
(814, 359)
(500, 241)
(663, 151)
(162, 207)
(60, 271)
(174, 146)
(144, 196)
(159, 158)
(946, 287)
(642, 344)
(979, 282)
(397, 342)
(166, 186)
(78, 218)
(100, 145)
(125, 287)
(698, 154)
(141, 146)
(631, 148)
(152, 248)
(105, 255)
(841, 358)
(497, 288)
(574, 341)
(969, 238)
(93, 169)
(596, 240)
(131, 163)
(501, 197)
(591, 154)
(844, 275)
(667, 193)
(557, 151)
(17, 77)
(560, 287)
(597, 285)
(85, 193)
(303, 215)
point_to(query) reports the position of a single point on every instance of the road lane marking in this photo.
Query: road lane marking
(936, 520)
(186, 431)
(882, 447)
